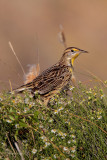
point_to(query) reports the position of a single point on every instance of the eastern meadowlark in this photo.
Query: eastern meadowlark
(54, 79)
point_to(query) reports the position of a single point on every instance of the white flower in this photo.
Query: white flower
(47, 144)
(31, 104)
(60, 102)
(65, 134)
(60, 109)
(4, 144)
(26, 100)
(56, 111)
(88, 91)
(50, 120)
(72, 155)
(25, 141)
(55, 156)
(99, 117)
(17, 125)
(102, 96)
(53, 130)
(69, 102)
(62, 137)
(41, 126)
(60, 133)
(73, 136)
(26, 109)
(9, 121)
(31, 95)
(74, 141)
(73, 149)
(42, 158)
(44, 138)
(69, 141)
(65, 149)
(34, 150)
(71, 88)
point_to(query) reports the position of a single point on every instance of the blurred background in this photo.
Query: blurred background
(32, 26)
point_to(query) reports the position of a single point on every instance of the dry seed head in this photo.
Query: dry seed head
(61, 36)
(10, 44)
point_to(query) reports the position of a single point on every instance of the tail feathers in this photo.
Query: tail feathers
(19, 89)
(22, 88)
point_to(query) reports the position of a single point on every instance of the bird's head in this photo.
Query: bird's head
(71, 53)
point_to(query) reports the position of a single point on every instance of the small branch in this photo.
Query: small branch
(27, 115)
(10, 85)
(88, 121)
(10, 144)
(33, 136)
(96, 78)
(19, 151)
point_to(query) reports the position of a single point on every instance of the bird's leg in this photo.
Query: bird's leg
(73, 79)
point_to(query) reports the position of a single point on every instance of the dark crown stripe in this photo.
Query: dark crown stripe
(69, 48)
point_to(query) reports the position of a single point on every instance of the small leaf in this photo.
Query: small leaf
(11, 117)
(22, 124)
(11, 110)
(36, 114)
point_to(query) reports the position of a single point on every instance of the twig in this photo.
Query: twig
(10, 144)
(19, 151)
(10, 85)
(87, 121)
(33, 136)
(27, 115)
(17, 57)
(95, 77)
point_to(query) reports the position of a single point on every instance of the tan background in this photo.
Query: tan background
(85, 26)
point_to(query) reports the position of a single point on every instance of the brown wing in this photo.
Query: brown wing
(51, 79)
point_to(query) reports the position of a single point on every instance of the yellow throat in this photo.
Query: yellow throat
(72, 60)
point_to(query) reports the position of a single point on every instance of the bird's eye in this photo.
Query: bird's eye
(72, 50)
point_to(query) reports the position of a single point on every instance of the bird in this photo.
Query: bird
(52, 80)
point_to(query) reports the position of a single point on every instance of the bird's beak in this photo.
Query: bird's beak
(82, 51)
